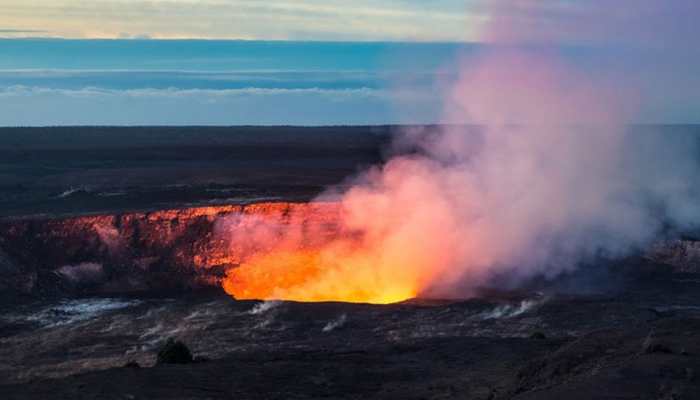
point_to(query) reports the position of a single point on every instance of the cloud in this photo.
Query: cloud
(176, 92)
(638, 22)
(183, 79)
(247, 19)
(37, 106)
(139, 36)
(21, 31)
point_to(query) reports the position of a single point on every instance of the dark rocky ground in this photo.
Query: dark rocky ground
(625, 331)
(639, 341)
(77, 170)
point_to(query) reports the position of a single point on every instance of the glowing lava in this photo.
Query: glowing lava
(313, 276)
(307, 252)
(373, 246)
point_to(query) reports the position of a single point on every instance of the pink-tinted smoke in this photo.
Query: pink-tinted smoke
(545, 177)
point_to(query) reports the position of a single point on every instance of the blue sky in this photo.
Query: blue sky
(314, 62)
(181, 82)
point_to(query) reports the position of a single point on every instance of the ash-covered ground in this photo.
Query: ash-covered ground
(622, 330)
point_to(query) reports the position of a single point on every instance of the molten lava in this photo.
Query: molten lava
(389, 240)
(305, 252)
(311, 276)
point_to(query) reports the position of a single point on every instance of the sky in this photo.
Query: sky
(406, 20)
(317, 62)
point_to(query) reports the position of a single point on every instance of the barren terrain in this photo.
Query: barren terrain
(107, 249)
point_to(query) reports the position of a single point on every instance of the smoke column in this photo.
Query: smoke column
(548, 175)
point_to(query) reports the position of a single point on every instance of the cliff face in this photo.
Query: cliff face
(160, 250)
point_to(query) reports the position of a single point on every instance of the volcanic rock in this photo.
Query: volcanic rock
(132, 364)
(652, 345)
(538, 335)
(174, 352)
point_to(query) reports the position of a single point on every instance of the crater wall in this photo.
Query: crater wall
(185, 248)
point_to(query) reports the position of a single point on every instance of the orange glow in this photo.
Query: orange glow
(305, 254)
(311, 276)
(363, 249)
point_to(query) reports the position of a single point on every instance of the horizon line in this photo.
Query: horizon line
(427, 124)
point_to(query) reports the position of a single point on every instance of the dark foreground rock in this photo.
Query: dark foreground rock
(637, 343)
(602, 365)
(174, 352)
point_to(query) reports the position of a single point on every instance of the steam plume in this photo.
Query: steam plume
(548, 175)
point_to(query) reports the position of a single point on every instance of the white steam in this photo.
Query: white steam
(551, 177)
(548, 175)
(335, 324)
